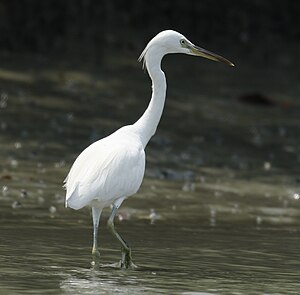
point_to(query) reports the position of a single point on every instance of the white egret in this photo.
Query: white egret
(112, 169)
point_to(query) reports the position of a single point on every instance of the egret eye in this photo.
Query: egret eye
(182, 42)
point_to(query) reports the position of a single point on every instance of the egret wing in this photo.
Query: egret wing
(106, 170)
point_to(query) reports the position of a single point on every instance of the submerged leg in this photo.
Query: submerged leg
(126, 260)
(96, 212)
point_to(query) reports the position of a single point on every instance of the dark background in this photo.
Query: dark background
(91, 28)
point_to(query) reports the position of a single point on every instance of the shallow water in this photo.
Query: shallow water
(218, 211)
(52, 257)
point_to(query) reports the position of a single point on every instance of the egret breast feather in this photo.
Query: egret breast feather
(106, 170)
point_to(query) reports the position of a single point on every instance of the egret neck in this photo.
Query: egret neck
(147, 124)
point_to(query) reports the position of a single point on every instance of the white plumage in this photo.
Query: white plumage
(112, 169)
(107, 170)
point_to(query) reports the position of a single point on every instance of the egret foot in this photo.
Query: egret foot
(126, 260)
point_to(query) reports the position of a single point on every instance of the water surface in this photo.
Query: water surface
(218, 211)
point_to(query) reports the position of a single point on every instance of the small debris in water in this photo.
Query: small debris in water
(23, 193)
(212, 212)
(202, 179)
(267, 166)
(189, 187)
(59, 198)
(153, 216)
(41, 168)
(296, 196)
(18, 145)
(217, 194)
(59, 164)
(52, 209)
(256, 99)
(33, 154)
(212, 220)
(3, 100)
(289, 149)
(122, 215)
(7, 177)
(267, 194)
(258, 220)
(235, 208)
(4, 190)
(176, 174)
(153, 187)
(70, 117)
(40, 199)
(16, 205)
(14, 163)
(185, 156)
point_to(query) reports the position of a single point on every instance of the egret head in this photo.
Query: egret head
(170, 41)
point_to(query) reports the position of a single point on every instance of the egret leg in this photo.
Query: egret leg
(96, 212)
(126, 260)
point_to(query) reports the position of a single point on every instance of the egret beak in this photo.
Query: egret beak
(195, 50)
